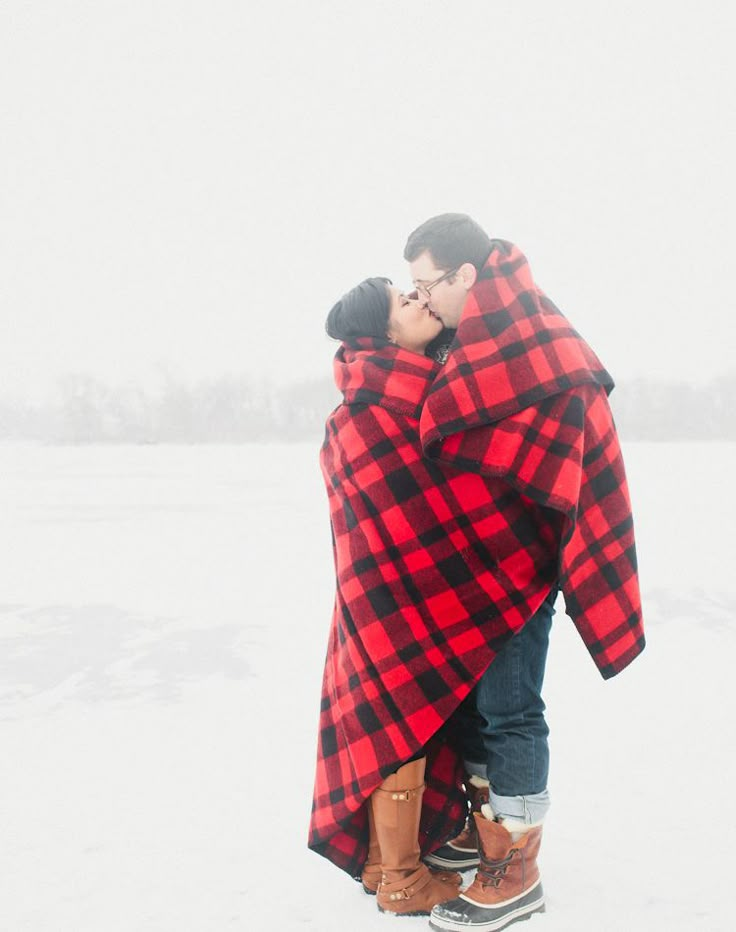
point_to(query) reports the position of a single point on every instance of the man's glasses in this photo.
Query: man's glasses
(426, 290)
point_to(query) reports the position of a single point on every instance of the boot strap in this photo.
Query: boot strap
(405, 888)
(401, 795)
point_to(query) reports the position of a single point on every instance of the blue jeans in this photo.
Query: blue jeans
(501, 726)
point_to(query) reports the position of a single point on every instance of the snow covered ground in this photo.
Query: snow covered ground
(163, 614)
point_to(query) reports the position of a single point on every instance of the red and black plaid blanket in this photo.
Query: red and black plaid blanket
(523, 398)
(422, 603)
(440, 558)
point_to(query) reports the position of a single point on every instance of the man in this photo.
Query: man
(523, 398)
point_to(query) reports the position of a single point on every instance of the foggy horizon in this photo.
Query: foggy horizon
(241, 408)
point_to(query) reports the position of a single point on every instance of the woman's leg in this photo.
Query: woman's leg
(407, 886)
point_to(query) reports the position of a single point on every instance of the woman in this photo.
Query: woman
(416, 620)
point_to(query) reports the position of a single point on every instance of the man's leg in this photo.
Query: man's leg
(507, 886)
(463, 729)
(513, 727)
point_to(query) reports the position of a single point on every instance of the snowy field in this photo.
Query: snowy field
(163, 615)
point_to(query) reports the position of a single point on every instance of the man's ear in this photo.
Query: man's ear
(468, 275)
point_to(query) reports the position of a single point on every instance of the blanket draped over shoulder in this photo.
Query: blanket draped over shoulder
(456, 500)
(524, 398)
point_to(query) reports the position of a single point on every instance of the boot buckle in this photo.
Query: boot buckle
(401, 895)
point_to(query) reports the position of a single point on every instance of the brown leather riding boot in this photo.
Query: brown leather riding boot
(408, 887)
(462, 852)
(506, 888)
(371, 874)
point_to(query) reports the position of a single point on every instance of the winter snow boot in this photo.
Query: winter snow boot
(408, 887)
(462, 852)
(507, 886)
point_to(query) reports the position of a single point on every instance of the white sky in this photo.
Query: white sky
(189, 186)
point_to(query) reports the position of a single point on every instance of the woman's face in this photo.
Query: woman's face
(411, 325)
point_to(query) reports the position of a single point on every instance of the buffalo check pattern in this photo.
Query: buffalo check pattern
(456, 500)
(525, 399)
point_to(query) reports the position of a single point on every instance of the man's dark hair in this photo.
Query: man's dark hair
(361, 312)
(451, 240)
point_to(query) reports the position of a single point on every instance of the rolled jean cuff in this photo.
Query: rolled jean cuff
(475, 769)
(528, 809)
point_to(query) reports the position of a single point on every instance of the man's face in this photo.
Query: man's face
(446, 298)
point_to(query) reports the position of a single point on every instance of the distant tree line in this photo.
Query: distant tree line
(241, 410)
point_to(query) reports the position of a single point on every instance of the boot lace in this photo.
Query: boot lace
(491, 873)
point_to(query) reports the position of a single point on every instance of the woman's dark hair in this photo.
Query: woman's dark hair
(362, 312)
(451, 240)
